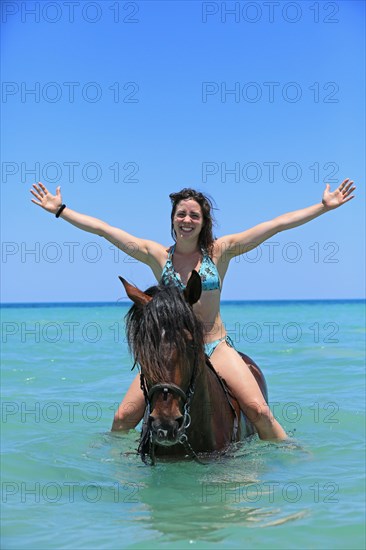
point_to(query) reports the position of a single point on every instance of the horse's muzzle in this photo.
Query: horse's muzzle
(166, 432)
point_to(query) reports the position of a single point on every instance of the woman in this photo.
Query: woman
(195, 248)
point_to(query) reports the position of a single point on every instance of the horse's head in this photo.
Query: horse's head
(166, 340)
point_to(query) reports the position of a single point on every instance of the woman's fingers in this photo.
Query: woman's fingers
(349, 191)
(342, 186)
(37, 195)
(36, 202)
(43, 188)
(40, 196)
(348, 186)
(39, 191)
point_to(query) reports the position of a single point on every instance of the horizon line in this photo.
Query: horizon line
(123, 302)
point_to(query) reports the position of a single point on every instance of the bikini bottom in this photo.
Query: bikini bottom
(211, 346)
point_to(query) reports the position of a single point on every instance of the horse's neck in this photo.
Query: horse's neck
(210, 406)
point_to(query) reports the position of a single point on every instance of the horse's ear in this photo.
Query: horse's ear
(193, 290)
(135, 294)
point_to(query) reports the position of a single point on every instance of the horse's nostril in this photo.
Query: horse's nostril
(179, 421)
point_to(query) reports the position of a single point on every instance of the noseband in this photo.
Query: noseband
(166, 388)
(147, 446)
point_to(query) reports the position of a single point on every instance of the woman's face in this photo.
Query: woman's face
(188, 219)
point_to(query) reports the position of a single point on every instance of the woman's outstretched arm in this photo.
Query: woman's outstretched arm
(143, 250)
(239, 243)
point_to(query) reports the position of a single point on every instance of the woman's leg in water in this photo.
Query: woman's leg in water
(230, 366)
(131, 409)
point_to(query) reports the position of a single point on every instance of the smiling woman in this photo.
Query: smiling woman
(196, 249)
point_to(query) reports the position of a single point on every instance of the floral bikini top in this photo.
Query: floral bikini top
(208, 272)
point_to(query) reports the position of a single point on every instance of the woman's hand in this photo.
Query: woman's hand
(338, 197)
(45, 199)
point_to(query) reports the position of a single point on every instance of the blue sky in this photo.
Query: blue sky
(258, 108)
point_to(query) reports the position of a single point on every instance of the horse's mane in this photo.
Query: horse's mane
(166, 318)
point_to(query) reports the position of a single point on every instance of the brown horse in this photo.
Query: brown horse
(189, 409)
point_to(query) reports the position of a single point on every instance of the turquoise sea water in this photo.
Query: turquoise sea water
(67, 482)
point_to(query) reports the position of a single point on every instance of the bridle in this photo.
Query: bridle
(147, 446)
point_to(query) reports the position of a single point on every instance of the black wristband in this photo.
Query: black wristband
(59, 211)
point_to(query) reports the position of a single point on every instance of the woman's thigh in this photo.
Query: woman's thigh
(241, 382)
